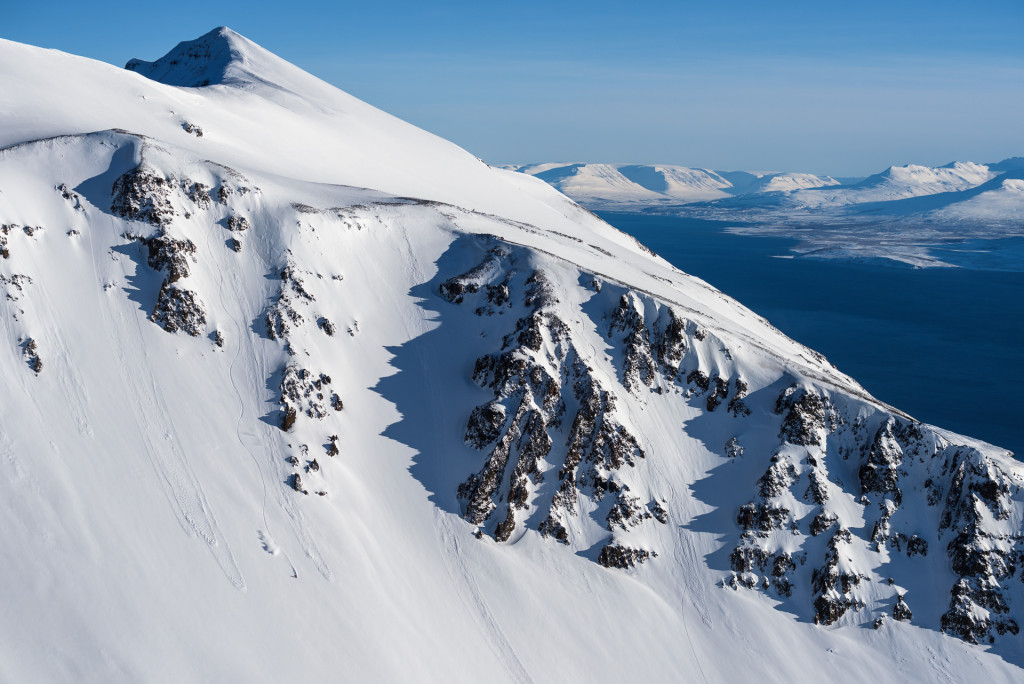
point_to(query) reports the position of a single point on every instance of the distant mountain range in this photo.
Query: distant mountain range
(625, 186)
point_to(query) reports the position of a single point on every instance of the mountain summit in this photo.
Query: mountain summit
(220, 57)
(295, 390)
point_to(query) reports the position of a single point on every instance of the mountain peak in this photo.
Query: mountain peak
(220, 57)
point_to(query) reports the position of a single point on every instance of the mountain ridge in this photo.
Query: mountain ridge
(622, 186)
(395, 413)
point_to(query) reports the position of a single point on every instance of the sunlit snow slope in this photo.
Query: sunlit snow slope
(296, 391)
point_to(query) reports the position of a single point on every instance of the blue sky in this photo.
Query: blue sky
(823, 87)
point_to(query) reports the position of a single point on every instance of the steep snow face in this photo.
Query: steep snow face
(269, 426)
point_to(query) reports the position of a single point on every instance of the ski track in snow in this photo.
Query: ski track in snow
(456, 565)
(247, 438)
(473, 599)
(73, 391)
(180, 484)
(249, 424)
(686, 557)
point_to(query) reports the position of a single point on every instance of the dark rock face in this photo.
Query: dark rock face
(170, 256)
(622, 557)
(179, 309)
(485, 425)
(282, 315)
(455, 289)
(737, 406)
(238, 224)
(143, 195)
(32, 358)
(985, 559)
(326, 326)
(822, 523)
(804, 420)
(732, 448)
(960, 500)
(627, 323)
(5, 230)
(626, 512)
(534, 379)
(670, 343)
(549, 415)
(880, 473)
(198, 193)
(660, 512)
(304, 392)
(698, 378)
(719, 391)
(901, 611)
(833, 585)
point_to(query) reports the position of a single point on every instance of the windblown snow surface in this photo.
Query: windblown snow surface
(296, 391)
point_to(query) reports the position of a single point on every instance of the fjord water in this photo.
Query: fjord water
(942, 344)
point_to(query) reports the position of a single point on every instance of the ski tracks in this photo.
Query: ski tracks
(474, 600)
(686, 557)
(163, 446)
(249, 426)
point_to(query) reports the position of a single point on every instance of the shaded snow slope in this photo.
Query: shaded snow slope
(315, 394)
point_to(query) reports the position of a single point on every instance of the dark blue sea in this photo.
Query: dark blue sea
(946, 345)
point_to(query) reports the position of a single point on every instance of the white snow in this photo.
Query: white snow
(150, 533)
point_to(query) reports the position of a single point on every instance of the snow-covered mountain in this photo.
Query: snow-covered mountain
(638, 187)
(895, 183)
(612, 186)
(295, 391)
(901, 214)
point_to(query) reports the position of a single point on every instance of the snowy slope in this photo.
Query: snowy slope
(298, 391)
(999, 200)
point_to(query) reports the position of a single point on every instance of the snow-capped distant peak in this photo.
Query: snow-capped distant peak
(952, 176)
(220, 57)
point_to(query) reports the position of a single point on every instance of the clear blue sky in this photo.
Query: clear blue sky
(841, 88)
